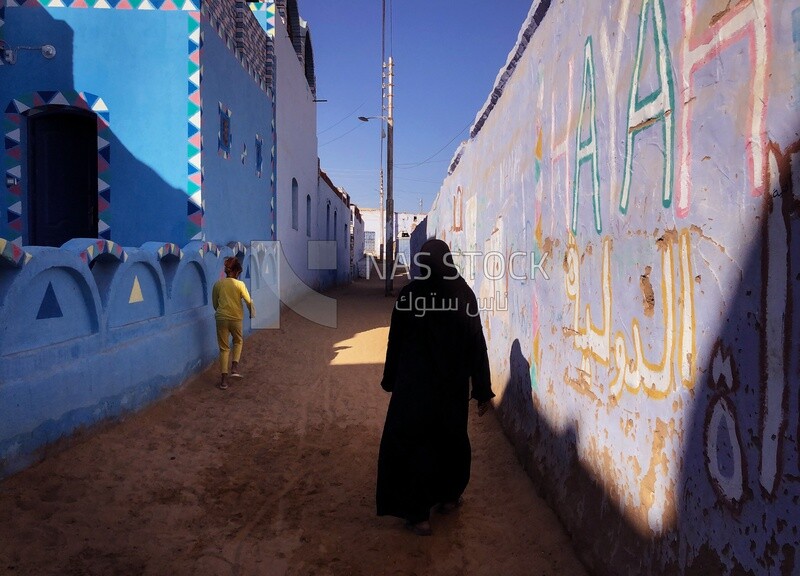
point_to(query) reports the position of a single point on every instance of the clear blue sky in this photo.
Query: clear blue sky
(447, 56)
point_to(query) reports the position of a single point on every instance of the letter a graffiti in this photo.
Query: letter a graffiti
(653, 108)
(586, 150)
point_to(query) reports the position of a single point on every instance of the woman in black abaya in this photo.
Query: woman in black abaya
(436, 347)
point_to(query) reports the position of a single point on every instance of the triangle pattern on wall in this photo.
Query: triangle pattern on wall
(136, 292)
(49, 308)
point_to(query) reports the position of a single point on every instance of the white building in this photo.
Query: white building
(404, 225)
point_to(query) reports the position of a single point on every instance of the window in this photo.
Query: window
(224, 137)
(328, 221)
(335, 223)
(308, 215)
(295, 209)
(259, 155)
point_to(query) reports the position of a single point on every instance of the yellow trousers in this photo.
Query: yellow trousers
(226, 329)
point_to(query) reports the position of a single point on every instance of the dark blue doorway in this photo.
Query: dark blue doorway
(62, 171)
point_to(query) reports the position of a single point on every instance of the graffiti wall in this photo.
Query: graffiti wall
(627, 210)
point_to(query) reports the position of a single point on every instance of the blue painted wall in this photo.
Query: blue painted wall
(236, 198)
(136, 61)
(91, 331)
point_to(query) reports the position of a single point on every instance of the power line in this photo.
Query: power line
(408, 165)
(349, 115)
(422, 181)
(338, 137)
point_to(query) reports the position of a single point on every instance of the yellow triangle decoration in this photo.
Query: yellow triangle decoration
(136, 292)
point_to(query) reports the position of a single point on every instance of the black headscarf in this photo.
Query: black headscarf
(435, 259)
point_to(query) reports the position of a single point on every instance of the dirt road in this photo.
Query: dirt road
(274, 476)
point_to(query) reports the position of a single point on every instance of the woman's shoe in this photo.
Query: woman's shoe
(447, 507)
(420, 528)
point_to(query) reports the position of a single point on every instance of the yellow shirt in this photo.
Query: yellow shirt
(227, 296)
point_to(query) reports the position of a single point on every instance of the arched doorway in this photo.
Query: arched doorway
(62, 175)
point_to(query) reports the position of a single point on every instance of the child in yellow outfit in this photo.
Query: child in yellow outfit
(227, 296)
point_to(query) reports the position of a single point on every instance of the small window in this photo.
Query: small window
(224, 137)
(259, 156)
(328, 221)
(308, 215)
(295, 208)
(335, 224)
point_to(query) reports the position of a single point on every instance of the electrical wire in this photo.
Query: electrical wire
(349, 115)
(339, 137)
(407, 165)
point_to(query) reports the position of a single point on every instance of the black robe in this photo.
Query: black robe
(432, 354)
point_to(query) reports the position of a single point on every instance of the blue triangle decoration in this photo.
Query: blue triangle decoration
(105, 153)
(193, 130)
(47, 95)
(192, 208)
(49, 307)
(106, 194)
(91, 99)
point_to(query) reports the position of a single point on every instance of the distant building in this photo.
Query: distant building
(357, 248)
(404, 225)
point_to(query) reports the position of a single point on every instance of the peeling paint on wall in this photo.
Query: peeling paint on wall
(645, 153)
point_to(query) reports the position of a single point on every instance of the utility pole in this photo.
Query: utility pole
(383, 113)
(390, 181)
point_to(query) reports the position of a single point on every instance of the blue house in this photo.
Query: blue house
(142, 145)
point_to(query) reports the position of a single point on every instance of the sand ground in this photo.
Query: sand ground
(274, 476)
